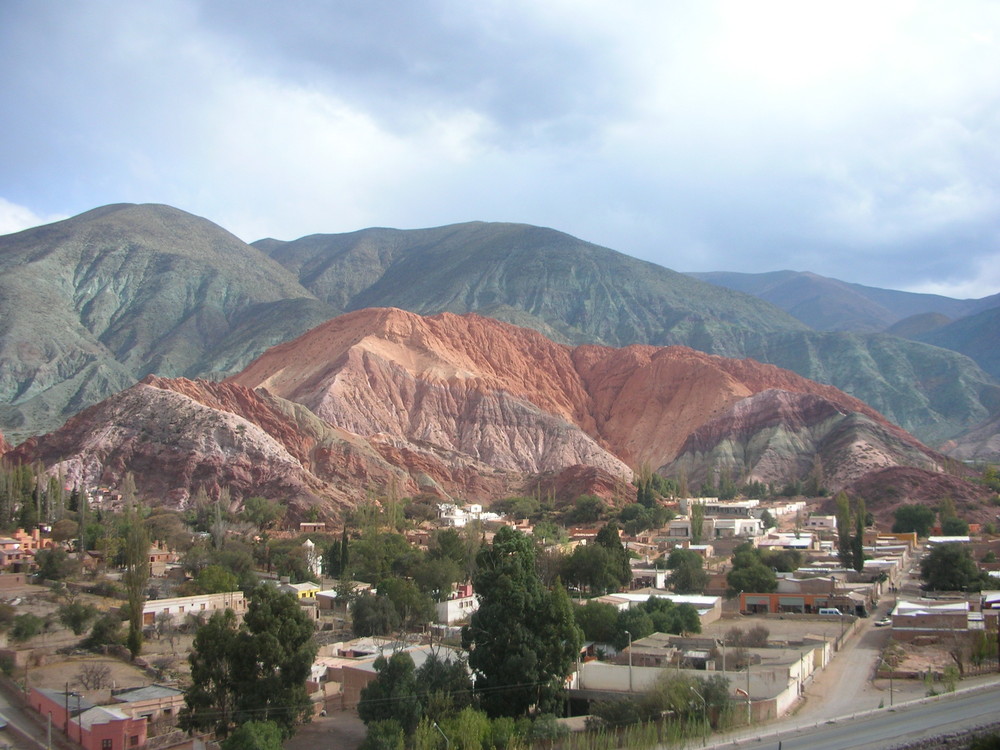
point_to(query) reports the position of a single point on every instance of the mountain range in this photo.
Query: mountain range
(470, 407)
(91, 305)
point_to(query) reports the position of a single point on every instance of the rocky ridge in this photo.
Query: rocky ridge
(468, 407)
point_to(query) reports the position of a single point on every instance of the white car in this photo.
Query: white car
(883, 622)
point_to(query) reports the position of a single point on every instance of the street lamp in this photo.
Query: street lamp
(704, 708)
(447, 742)
(629, 660)
(722, 642)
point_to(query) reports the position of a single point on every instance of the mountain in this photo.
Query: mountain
(91, 304)
(826, 304)
(467, 407)
(576, 292)
(976, 336)
(126, 291)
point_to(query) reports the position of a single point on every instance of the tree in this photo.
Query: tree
(94, 676)
(918, 518)
(843, 514)
(858, 540)
(261, 512)
(767, 520)
(26, 626)
(373, 615)
(106, 631)
(210, 698)
(393, 693)
(697, 522)
(587, 509)
(135, 578)
(954, 526)
(254, 735)
(609, 537)
(597, 620)
(64, 530)
(950, 567)
(54, 564)
(522, 641)
(77, 616)
(254, 671)
(436, 576)
(749, 573)
(688, 576)
(413, 606)
(591, 567)
(214, 579)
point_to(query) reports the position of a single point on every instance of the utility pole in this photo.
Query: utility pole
(629, 660)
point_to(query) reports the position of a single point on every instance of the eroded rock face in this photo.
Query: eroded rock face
(468, 407)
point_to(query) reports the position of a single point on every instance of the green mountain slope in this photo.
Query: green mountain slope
(976, 336)
(91, 304)
(584, 292)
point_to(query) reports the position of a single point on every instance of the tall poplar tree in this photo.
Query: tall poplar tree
(136, 575)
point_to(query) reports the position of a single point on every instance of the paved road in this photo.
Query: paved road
(929, 717)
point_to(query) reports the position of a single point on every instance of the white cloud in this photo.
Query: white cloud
(15, 218)
(702, 136)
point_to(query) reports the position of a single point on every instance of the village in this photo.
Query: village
(769, 645)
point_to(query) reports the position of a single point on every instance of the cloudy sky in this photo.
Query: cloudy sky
(859, 140)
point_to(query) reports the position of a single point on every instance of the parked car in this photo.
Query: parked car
(883, 622)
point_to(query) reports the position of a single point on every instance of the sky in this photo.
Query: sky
(857, 140)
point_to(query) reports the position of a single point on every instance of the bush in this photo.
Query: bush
(386, 734)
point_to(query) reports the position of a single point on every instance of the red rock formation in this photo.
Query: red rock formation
(465, 406)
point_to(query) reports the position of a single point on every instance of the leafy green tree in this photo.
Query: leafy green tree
(767, 520)
(77, 616)
(688, 576)
(413, 606)
(954, 526)
(210, 700)
(338, 556)
(749, 573)
(445, 684)
(633, 623)
(373, 615)
(468, 728)
(609, 537)
(587, 509)
(918, 518)
(214, 579)
(106, 631)
(26, 626)
(782, 560)
(436, 576)
(262, 513)
(597, 620)
(590, 567)
(256, 671)
(950, 567)
(523, 641)
(54, 564)
(393, 694)
(254, 735)
(384, 735)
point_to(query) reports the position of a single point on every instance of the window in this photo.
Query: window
(106, 745)
(134, 741)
